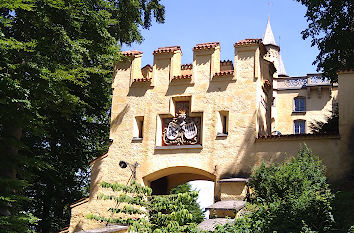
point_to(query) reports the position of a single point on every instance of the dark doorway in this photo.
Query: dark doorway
(159, 186)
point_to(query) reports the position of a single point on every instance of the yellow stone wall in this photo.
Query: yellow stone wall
(220, 157)
(233, 191)
(319, 105)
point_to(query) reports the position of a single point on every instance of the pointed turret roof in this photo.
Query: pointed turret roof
(268, 37)
(281, 68)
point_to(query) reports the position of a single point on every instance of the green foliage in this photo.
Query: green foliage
(330, 126)
(170, 212)
(146, 213)
(351, 229)
(290, 197)
(193, 207)
(18, 220)
(343, 206)
(56, 64)
(331, 29)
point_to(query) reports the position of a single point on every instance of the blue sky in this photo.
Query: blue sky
(189, 22)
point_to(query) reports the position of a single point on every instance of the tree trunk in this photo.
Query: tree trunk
(10, 141)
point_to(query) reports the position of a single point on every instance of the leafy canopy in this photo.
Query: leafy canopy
(56, 63)
(331, 29)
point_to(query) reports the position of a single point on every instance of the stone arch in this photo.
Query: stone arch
(163, 180)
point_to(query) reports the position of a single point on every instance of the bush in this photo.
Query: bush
(290, 197)
(146, 213)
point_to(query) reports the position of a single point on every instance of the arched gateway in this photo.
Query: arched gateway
(209, 120)
(163, 180)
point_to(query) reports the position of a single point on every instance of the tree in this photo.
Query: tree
(330, 126)
(193, 208)
(146, 213)
(331, 29)
(56, 62)
(290, 197)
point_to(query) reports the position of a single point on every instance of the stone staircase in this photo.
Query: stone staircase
(233, 193)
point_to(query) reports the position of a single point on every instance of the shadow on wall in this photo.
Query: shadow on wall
(78, 226)
(351, 152)
(117, 120)
(251, 154)
(242, 164)
(261, 124)
(139, 89)
(317, 104)
(94, 184)
(220, 84)
(179, 87)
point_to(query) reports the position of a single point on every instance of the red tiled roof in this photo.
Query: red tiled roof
(147, 67)
(186, 66)
(297, 136)
(224, 72)
(168, 49)
(226, 62)
(131, 53)
(248, 41)
(142, 79)
(224, 65)
(180, 77)
(207, 45)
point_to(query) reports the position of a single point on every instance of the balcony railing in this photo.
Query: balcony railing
(302, 82)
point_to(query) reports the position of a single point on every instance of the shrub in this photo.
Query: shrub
(291, 197)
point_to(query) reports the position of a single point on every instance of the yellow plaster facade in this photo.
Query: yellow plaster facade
(319, 97)
(243, 89)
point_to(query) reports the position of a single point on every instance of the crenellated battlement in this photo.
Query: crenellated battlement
(206, 64)
(212, 120)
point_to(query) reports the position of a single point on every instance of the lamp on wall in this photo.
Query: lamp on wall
(132, 167)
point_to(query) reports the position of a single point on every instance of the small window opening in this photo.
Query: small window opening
(299, 127)
(138, 128)
(299, 104)
(223, 123)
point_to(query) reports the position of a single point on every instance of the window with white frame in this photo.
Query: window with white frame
(138, 128)
(299, 126)
(223, 123)
(299, 104)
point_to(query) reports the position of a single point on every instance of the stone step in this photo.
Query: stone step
(227, 205)
(233, 180)
(210, 224)
(107, 229)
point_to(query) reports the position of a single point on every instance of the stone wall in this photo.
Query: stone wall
(239, 92)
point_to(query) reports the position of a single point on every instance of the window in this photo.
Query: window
(138, 128)
(299, 104)
(223, 123)
(299, 126)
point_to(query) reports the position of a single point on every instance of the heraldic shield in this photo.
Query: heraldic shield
(181, 131)
(190, 130)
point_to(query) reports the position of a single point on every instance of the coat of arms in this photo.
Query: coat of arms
(181, 130)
